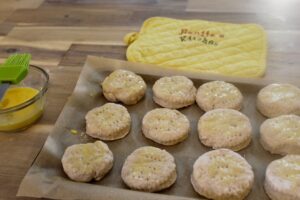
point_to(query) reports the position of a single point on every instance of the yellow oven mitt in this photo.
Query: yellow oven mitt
(196, 45)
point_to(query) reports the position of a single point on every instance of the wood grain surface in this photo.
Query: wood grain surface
(61, 33)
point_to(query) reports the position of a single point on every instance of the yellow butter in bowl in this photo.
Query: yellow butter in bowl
(16, 96)
(24, 117)
(23, 104)
(197, 45)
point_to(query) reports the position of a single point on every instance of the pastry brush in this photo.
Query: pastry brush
(13, 71)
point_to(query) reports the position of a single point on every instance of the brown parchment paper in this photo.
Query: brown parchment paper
(46, 177)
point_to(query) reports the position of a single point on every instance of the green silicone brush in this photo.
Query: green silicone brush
(13, 71)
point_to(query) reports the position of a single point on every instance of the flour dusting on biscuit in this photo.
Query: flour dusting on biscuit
(219, 94)
(174, 92)
(108, 122)
(282, 181)
(222, 174)
(165, 126)
(279, 99)
(149, 169)
(124, 86)
(85, 162)
(225, 128)
(281, 135)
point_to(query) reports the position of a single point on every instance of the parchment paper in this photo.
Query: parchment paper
(47, 179)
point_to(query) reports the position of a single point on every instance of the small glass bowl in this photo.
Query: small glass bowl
(23, 115)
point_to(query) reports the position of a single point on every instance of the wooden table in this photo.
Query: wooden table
(61, 33)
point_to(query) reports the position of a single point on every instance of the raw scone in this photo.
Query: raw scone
(225, 128)
(108, 122)
(149, 169)
(281, 135)
(124, 86)
(282, 180)
(222, 175)
(84, 162)
(174, 92)
(279, 99)
(219, 94)
(165, 126)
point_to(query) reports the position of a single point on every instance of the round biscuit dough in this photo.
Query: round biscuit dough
(282, 180)
(85, 162)
(124, 86)
(165, 126)
(222, 175)
(149, 169)
(225, 128)
(108, 122)
(219, 94)
(281, 135)
(174, 92)
(278, 99)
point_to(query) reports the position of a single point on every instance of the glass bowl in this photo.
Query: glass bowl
(23, 115)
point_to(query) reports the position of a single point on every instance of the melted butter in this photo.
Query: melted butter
(175, 85)
(20, 119)
(16, 96)
(289, 170)
(88, 152)
(122, 79)
(142, 168)
(226, 168)
(111, 114)
(86, 155)
(220, 89)
(289, 126)
(145, 160)
(282, 92)
(224, 123)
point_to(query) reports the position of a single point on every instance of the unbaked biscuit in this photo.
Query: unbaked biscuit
(219, 94)
(222, 174)
(165, 126)
(225, 128)
(125, 86)
(108, 122)
(149, 169)
(84, 162)
(281, 135)
(282, 181)
(174, 92)
(279, 99)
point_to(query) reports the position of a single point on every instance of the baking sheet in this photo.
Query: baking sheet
(46, 177)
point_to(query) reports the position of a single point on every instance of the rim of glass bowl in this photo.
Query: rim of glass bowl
(33, 99)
